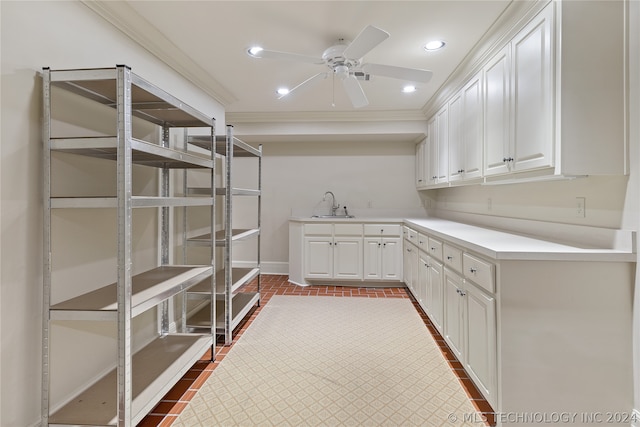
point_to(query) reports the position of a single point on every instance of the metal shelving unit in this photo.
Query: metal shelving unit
(138, 380)
(232, 306)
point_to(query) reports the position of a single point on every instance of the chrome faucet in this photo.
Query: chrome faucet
(334, 205)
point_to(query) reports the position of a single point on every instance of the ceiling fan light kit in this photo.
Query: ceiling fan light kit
(344, 61)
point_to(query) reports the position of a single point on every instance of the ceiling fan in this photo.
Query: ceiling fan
(344, 62)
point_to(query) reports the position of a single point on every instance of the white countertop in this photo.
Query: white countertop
(503, 245)
(357, 219)
(495, 244)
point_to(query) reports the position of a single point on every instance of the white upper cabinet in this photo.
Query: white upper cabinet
(421, 163)
(456, 148)
(532, 95)
(442, 138)
(541, 106)
(432, 152)
(497, 129)
(472, 125)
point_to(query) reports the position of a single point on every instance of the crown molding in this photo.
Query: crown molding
(137, 28)
(325, 116)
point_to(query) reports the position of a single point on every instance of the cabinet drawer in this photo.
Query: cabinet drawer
(479, 272)
(318, 229)
(348, 229)
(435, 248)
(423, 242)
(382, 229)
(452, 257)
(412, 236)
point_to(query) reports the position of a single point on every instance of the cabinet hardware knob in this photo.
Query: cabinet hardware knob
(462, 293)
(449, 257)
(432, 248)
(473, 270)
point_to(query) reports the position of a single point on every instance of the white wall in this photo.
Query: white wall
(58, 34)
(366, 177)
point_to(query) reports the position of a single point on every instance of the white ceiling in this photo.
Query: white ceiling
(210, 39)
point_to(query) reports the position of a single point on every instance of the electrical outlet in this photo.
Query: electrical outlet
(580, 207)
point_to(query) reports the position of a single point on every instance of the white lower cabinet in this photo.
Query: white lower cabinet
(352, 251)
(333, 251)
(470, 319)
(383, 252)
(318, 257)
(507, 314)
(454, 313)
(382, 258)
(480, 344)
(435, 293)
(470, 330)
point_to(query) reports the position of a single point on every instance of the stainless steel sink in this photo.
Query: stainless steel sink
(333, 216)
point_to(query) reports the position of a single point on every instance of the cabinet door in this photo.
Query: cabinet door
(433, 161)
(456, 149)
(421, 180)
(532, 94)
(391, 258)
(442, 118)
(454, 319)
(435, 291)
(471, 132)
(318, 257)
(422, 295)
(347, 258)
(372, 258)
(406, 265)
(497, 113)
(480, 345)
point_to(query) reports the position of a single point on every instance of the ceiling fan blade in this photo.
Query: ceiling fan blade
(368, 38)
(410, 74)
(355, 92)
(307, 82)
(274, 54)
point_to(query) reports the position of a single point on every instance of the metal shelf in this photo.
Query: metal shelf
(239, 277)
(136, 202)
(158, 366)
(221, 191)
(237, 234)
(240, 148)
(241, 304)
(148, 290)
(143, 152)
(147, 101)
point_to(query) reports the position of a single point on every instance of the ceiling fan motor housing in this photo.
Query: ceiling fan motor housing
(334, 58)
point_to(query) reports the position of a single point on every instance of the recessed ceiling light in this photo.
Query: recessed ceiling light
(282, 91)
(254, 50)
(409, 89)
(434, 45)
